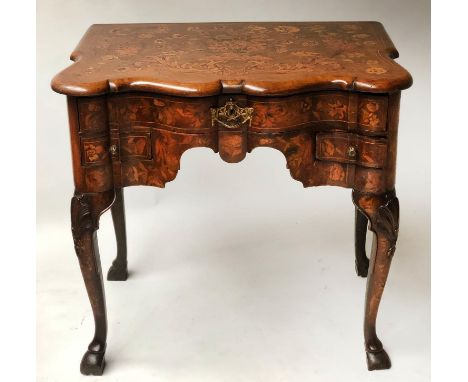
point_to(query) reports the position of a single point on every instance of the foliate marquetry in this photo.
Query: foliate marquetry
(351, 148)
(198, 60)
(330, 107)
(163, 112)
(95, 150)
(135, 144)
(370, 180)
(93, 139)
(96, 164)
(298, 149)
(98, 178)
(167, 148)
(362, 113)
(92, 113)
(340, 110)
(134, 125)
(372, 113)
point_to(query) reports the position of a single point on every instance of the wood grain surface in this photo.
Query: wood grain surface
(253, 58)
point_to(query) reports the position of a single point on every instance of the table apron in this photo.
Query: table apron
(328, 138)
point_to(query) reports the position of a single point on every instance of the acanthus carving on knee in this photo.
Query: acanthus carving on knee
(387, 222)
(86, 208)
(383, 213)
(82, 220)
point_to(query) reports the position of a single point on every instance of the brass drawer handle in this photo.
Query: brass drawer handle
(352, 152)
(231, 115)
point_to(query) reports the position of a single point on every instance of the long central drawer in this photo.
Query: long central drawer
(361, 112)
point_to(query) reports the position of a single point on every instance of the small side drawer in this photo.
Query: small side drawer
(352, 148)
(94, 151)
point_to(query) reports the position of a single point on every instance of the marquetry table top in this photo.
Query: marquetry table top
(253, 58)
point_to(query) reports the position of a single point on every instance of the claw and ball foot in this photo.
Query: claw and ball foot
(383, 213)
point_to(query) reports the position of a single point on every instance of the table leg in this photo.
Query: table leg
(383, 213)
(360, 231)
(85, 212)
(118, 270)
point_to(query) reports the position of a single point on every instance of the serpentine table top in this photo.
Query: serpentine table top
(252, 58)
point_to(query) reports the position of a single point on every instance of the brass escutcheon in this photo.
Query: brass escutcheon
(113, 150)
(231, 115)
(352, 152)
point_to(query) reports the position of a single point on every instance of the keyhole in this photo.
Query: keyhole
(230, 111)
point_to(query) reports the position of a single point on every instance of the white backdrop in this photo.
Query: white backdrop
(237, 271)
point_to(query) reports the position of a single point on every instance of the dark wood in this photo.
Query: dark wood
(85, 212)
(326, 95)
(383, 214)
(118, 271)
(362, 261)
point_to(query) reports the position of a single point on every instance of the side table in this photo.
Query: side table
(325, 94)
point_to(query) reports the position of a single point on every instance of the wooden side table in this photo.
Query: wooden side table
(324, 94)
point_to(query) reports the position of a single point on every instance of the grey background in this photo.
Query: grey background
(238, 273)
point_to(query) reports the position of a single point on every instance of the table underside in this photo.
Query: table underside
(328, 138)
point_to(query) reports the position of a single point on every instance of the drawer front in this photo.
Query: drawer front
(138, 138)
(94, 151)
(365, 113)
(164, 112)
(351, 148)
(337, 110)
(372, 113)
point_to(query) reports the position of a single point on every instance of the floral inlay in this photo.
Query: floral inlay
(94, 152)
(228, 48)
(335, 109)
(266, 58)
(134, 145)
(376, 70)
(369, 114)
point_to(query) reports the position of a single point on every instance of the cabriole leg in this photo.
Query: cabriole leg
(118, 270)
(383, 213)
(85, 212)
(360, 231)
